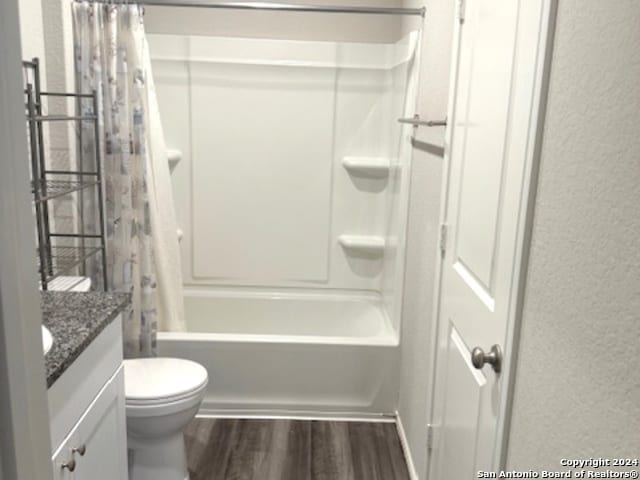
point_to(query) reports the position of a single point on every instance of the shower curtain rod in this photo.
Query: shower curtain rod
(286, 7)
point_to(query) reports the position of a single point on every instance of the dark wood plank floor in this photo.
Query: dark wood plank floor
(230, 449)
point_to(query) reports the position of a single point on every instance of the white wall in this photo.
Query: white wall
(578, 381)
(58, 39)
(423, 231)
(46, 33)
(404, 95)
(32, 31)
(282, 25)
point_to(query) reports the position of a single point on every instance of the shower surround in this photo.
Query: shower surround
(291, 193)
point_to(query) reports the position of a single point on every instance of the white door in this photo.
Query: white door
(24, 419)
(497, 82)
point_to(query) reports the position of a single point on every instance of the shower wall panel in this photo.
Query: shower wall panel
(262, 180)
(264, 126)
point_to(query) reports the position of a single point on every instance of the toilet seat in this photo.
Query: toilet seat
(162, 381)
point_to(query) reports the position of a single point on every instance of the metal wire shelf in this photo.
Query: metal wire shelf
(63, 118)
(55, 260)
(49, 189)
(64, 259)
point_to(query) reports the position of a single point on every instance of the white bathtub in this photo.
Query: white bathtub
(295, 354)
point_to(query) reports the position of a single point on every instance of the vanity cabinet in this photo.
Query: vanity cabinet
(93, 449)
(88, 416)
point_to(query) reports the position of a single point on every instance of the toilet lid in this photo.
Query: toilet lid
(148, 379)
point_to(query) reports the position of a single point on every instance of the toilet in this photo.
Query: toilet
(162, 396)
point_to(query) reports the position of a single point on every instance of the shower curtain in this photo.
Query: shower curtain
(112, 58)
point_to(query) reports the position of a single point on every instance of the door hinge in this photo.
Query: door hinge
(461, 10)
(443, 239)
(430, 435)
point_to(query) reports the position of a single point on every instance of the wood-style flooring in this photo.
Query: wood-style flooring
(232, 449)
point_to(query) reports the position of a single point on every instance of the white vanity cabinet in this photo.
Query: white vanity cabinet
(87, 411)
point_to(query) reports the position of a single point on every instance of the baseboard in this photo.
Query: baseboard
(295, 415)
(413, 475)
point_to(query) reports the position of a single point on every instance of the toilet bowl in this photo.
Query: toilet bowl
(162, 396)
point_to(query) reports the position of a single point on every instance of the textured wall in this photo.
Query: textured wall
(578, 379)
(423, 227)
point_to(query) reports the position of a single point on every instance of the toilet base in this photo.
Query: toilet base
(158, 458)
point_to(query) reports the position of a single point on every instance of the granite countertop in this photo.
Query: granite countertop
(75, 320)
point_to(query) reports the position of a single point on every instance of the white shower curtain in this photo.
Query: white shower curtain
(112, 58)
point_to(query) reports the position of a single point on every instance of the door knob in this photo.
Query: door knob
(493, 358)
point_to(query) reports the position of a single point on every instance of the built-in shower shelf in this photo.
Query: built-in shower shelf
(173, 156)
(372, 244)
(367, 166)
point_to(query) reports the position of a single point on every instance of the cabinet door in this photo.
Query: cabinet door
(102, 433)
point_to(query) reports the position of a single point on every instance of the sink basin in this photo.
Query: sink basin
(47, 340)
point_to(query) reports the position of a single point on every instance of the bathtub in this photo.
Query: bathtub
(307, 355)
